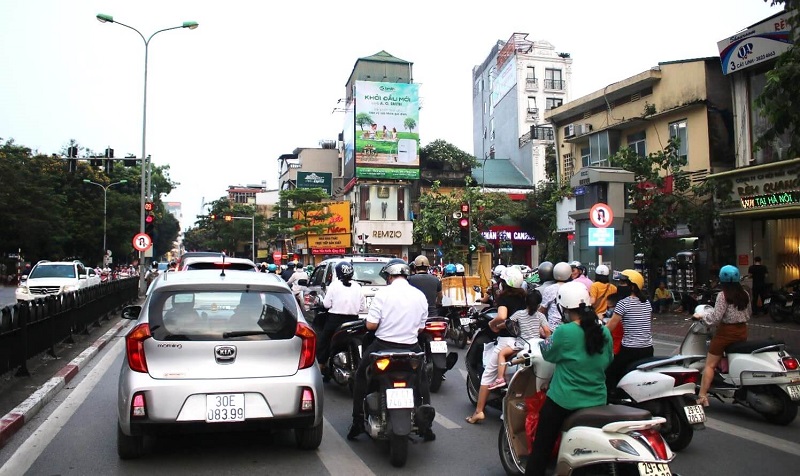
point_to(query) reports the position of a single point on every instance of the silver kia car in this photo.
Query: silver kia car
(218, 351)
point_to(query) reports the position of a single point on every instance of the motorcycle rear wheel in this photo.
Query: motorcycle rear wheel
(398, 450)
(681, 432)
(472, 389)
(437, 377)
(775, 313)
(506, 458)
(788, 410)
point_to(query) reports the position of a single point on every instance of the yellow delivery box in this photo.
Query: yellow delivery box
(461, 291)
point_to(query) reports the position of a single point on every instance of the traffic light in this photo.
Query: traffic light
(109, 160)
(212, 217)
(228, 217)
(129, 161)
(464, 224)
(149, 218)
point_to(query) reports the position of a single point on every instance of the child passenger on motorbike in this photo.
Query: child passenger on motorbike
(581, 351)
(532, 324)
(732, 310)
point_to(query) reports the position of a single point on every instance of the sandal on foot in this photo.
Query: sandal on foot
(497, 384)
(475, 418)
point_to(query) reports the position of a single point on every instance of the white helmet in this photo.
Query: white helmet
(460, 268)
(513, 277)
(498, 270)
(703, 310)
(602, 270)
(572, 295)
(562, 271)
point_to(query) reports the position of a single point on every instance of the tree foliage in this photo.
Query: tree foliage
(300, 212)
(441, 154)
(234, 236)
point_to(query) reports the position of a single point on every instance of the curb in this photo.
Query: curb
(12, 421)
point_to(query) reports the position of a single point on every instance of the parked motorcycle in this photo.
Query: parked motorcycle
(665, 386)
(610, 439)
(437, 359)
(757, 374)
(784, 303)
(391, 409)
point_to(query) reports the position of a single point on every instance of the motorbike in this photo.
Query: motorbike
(665, 386)
(460, 328)
(609, 439)
(760, 375)
(784, 303)
(346, 346)
(437, 359)
(391, 409)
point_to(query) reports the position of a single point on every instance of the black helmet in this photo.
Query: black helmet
(545, 271)
(344, 271)
(395, 267)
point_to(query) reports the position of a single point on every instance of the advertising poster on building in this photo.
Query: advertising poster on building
(387, 130)
(349, 137)
(338, 233)
(757, 44)
(315, 180)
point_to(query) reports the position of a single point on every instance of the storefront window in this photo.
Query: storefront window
(384, 202)
(779, 147)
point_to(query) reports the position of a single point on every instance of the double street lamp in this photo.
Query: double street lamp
(103, 18)
(105, 210)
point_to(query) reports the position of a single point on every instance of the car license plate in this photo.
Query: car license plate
(695, 413)
(399, 398)
(794, 391)
(224, 407)
(465, 321)
(438, 347)
(654, 469)
(368, 302)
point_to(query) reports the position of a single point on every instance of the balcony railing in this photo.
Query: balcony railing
(531, 84)
(537, 133)
(557, 84)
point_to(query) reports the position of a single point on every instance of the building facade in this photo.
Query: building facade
(512, 89)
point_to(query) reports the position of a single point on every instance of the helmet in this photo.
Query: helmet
(310, 268)
(395, 267)
(562, 271)
(572, 295)
(602, 270)
(291, 264)
(263, 265)
(513, 277)
(272, 267)
(154, 265)
(633, 276)
(460, 268)
(545, 271)
(450, 269)
(344, 271)
(498, 270)
(421, 260)
(729, 274)
(702, 310)
(577, 265)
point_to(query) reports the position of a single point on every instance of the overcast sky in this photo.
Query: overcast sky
(255, 81)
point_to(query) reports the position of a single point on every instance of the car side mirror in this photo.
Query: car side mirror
(131, 312)
(302, 282)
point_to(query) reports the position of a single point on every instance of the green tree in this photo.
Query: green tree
(441, 154)
(363, 119)
(232, 235)
(410, 124)
(300, 212)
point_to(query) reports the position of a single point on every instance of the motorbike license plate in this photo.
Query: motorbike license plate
(465, 321)
(367, 302)
(789, 303)
(695, 413)
(438, 347)
(399, 398)
(794, 391)
(766, 301)
(654, 469)
(224, 407)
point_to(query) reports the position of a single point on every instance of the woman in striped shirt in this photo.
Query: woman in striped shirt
(635, 313)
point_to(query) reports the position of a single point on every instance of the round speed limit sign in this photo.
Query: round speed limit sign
(142, 242)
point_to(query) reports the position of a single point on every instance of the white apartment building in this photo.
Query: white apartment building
(512, 88)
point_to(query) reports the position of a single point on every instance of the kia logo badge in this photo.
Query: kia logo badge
(225, 353)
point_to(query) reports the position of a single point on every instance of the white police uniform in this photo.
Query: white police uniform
(400, 310)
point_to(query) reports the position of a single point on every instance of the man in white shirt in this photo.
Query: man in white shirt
(298, 274)
(344, 300)
(397, 314)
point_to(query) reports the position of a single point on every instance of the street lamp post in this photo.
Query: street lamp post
(105, 210)
(103, 18)
(252, 232)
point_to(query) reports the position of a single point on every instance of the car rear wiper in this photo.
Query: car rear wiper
(227, 335)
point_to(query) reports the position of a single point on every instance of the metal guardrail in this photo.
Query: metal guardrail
(28, 329)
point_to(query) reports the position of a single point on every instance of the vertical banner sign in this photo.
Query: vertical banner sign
(386, 130)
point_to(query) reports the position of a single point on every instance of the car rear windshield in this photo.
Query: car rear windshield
(54, 271)
(369, 273)
(222, 315)
(220, 265)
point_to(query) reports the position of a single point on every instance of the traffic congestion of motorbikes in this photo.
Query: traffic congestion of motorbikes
(651, 413)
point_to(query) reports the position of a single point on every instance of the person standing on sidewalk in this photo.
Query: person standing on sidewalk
(758, 273)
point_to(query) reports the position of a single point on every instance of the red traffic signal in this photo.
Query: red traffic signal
(465, 208)
(148, 206)
(463, 222)
(149, 218)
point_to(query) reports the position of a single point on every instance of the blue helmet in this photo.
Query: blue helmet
(272, 267)
(450, 269)
(729, 274)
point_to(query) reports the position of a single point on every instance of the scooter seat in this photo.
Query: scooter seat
(597, 417)
(632, 366)
(749, 347)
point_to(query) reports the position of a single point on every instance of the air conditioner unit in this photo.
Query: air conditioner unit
(581, 129)
(569, 131)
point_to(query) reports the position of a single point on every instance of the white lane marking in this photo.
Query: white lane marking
(21, 461)
(463, 373)
(337, 456)
(754, 436)
(446, 422)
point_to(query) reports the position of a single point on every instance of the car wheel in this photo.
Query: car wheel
(129, 447)
(308, 438)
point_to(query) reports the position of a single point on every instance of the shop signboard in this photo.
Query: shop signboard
(770, 186)
(601, 236)
(321, 180)
(762, 42)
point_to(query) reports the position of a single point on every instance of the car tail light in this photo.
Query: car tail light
(307, 402)
(134, 346)
(138, 406)
(790, 363)
(653, 439)
(682, 378)
(308, 350)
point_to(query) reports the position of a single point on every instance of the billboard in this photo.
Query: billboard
(315, 180)
(386, 130)
(338, 233)
(762, 42)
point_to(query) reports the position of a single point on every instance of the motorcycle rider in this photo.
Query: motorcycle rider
(298, 274)
(460, 270)
(152, 273)
(545, 272)
(449, 270)
(581, 351)
(636, 314)
(429, 284)
(287, 272)
(578, 273)
(489, 297)
(343, 300)
(397, 315)
(272, 268)
(561, 274)
(732, 310)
